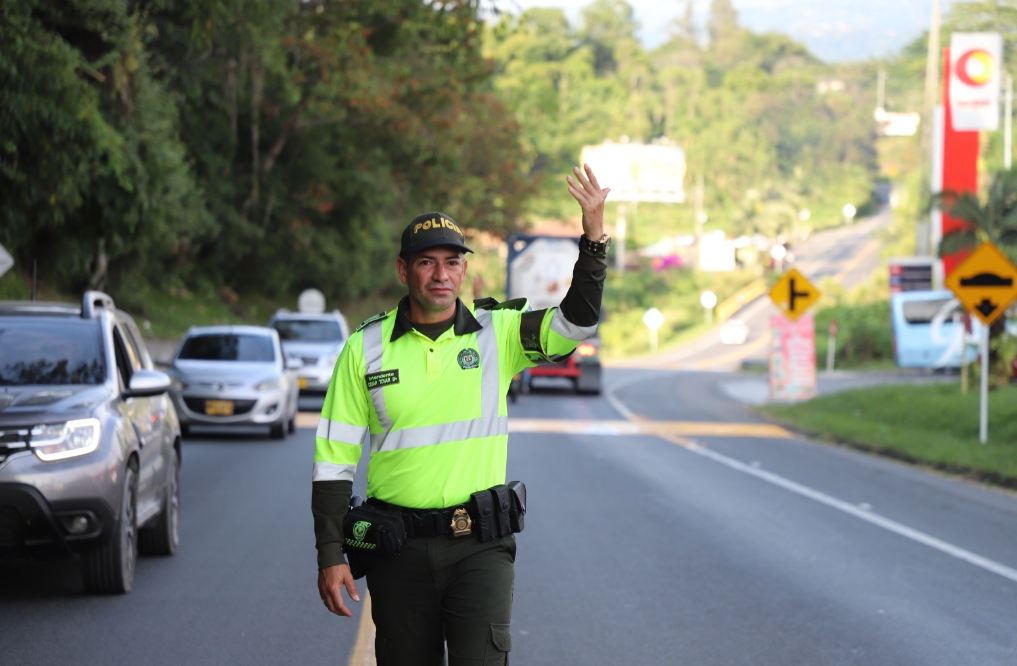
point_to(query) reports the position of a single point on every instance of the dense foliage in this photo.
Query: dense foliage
(755, 114)
(259, 144)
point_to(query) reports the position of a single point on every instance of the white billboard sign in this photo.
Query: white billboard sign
(975, 59)
(638, 172)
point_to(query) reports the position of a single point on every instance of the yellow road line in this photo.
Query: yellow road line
(871, 247)
(739, 354)
(363, 649)
(645, 427)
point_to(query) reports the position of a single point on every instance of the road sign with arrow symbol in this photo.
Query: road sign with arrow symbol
(794, 294)
(985, 283)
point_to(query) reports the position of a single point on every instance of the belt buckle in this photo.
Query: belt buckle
(462, 524)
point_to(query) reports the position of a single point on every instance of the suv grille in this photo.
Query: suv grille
(10, 527)
(197, 405)
(309, 360)
(12, 441)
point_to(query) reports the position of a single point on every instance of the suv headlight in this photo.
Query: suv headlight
(268, 385)
(58, 441)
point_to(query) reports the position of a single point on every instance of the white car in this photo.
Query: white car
(234, 375)
(315, 340)
(734, 332)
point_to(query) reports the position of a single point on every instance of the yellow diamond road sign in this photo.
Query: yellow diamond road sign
(794, 294)
(985, 283)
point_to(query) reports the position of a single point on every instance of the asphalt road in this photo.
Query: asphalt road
(638, 550)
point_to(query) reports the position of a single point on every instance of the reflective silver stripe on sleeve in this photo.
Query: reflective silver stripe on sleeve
(565, 328)
(442, 433)
(337, 431)
(373, 349)
(490, 380)
(326, 471)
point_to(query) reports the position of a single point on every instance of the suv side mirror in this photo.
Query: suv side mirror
(293, 363)
(147, 383)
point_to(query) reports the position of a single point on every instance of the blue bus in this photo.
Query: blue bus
(926, 333)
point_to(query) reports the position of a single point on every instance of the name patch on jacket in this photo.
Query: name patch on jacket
(383, 378)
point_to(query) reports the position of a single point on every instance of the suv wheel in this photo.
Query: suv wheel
(291, 426)
(278, 431)
(162, 537)
(109, 569)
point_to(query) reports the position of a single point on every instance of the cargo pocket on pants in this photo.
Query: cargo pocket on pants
(499, 645)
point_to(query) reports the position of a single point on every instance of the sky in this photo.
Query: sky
(834, 30)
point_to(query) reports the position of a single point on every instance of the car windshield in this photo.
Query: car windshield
(309, 330)
(228, 347)
(50, 352)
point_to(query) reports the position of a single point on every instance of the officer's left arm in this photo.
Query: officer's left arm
(553, 334)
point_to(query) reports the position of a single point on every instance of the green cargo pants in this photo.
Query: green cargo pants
(443, 591)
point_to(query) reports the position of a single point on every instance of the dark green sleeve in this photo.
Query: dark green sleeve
(581, 305)
(330, 500)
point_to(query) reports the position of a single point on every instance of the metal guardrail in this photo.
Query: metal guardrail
(746, 294)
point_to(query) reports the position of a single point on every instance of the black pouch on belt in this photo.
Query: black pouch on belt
(487, 522)
(369, 529)
(502, 497)
(518, 491)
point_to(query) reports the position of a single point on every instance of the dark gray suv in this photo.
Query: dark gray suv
(89, 441)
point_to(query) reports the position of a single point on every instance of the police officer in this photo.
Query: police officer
(425, 384)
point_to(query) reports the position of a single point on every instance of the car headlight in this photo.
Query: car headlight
(332, 358)
(58, 441)
(177, 385)
(268, 385)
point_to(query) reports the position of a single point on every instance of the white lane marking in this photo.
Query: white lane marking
(797, 488)
(862, 514)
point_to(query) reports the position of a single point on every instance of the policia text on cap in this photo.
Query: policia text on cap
(425, 384)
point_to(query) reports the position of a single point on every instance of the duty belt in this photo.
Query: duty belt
(425, 522)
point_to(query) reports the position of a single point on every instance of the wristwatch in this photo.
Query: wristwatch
(596, 247)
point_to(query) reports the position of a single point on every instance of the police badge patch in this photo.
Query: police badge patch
(469, 359)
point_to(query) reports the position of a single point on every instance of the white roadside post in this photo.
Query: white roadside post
(653, 319)
(708, 300)
(831, 346)
(6, 260)
(777, 253)
(849, 213)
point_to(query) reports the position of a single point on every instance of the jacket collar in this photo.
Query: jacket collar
(463, 324)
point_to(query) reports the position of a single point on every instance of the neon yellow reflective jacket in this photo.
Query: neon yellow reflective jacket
(435, 410)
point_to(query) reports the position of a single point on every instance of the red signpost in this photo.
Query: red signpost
(959, 167)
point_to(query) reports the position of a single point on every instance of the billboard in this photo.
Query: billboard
(638, 172)
(974, 84)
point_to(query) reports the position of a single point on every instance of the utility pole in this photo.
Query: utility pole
(881, 90)
(932, 58)
(1008, 124)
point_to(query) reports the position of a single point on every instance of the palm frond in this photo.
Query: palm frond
(961, 240)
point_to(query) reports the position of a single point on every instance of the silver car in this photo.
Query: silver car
(234, 375)
(89, 441)
(316, 341)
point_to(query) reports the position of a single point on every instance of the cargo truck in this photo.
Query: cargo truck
(539, 268)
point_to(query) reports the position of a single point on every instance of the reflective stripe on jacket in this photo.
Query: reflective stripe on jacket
(434, 412)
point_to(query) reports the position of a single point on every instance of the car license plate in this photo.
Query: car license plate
(302, 382)
(219, 407)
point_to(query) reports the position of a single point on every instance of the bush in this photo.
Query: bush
(864, 334)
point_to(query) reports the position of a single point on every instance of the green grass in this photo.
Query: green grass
(931, 424)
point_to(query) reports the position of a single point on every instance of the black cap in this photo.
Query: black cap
(431, 230)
